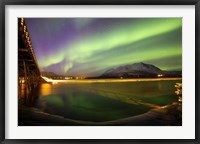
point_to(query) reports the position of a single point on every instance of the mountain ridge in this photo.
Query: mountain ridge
(138, 70)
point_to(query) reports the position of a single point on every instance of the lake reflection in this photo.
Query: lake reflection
(105, 101)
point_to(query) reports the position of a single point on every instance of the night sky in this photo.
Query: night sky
(90, 46)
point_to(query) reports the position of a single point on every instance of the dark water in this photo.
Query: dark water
(104, 101)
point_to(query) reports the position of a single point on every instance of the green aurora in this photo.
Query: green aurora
(90, 46)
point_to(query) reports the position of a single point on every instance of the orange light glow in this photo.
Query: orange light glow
(24, 29)
(46, 89)
(106, 80)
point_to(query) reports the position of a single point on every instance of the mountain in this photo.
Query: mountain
(137, 70)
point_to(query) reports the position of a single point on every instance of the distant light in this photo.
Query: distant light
(160, 75)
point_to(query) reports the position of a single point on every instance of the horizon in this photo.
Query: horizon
(178, 70)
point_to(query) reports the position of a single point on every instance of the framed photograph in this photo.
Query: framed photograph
(100, 72)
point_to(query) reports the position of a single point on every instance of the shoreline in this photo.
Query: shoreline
(110, 80)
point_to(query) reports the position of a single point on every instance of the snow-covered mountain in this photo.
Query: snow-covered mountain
(135, 70)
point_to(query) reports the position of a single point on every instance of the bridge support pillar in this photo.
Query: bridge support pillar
(27, 84)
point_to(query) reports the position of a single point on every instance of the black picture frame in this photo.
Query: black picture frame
(4, 3)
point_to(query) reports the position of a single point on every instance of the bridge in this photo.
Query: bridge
(28, 70)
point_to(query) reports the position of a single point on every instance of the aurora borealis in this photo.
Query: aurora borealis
(90, 46)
